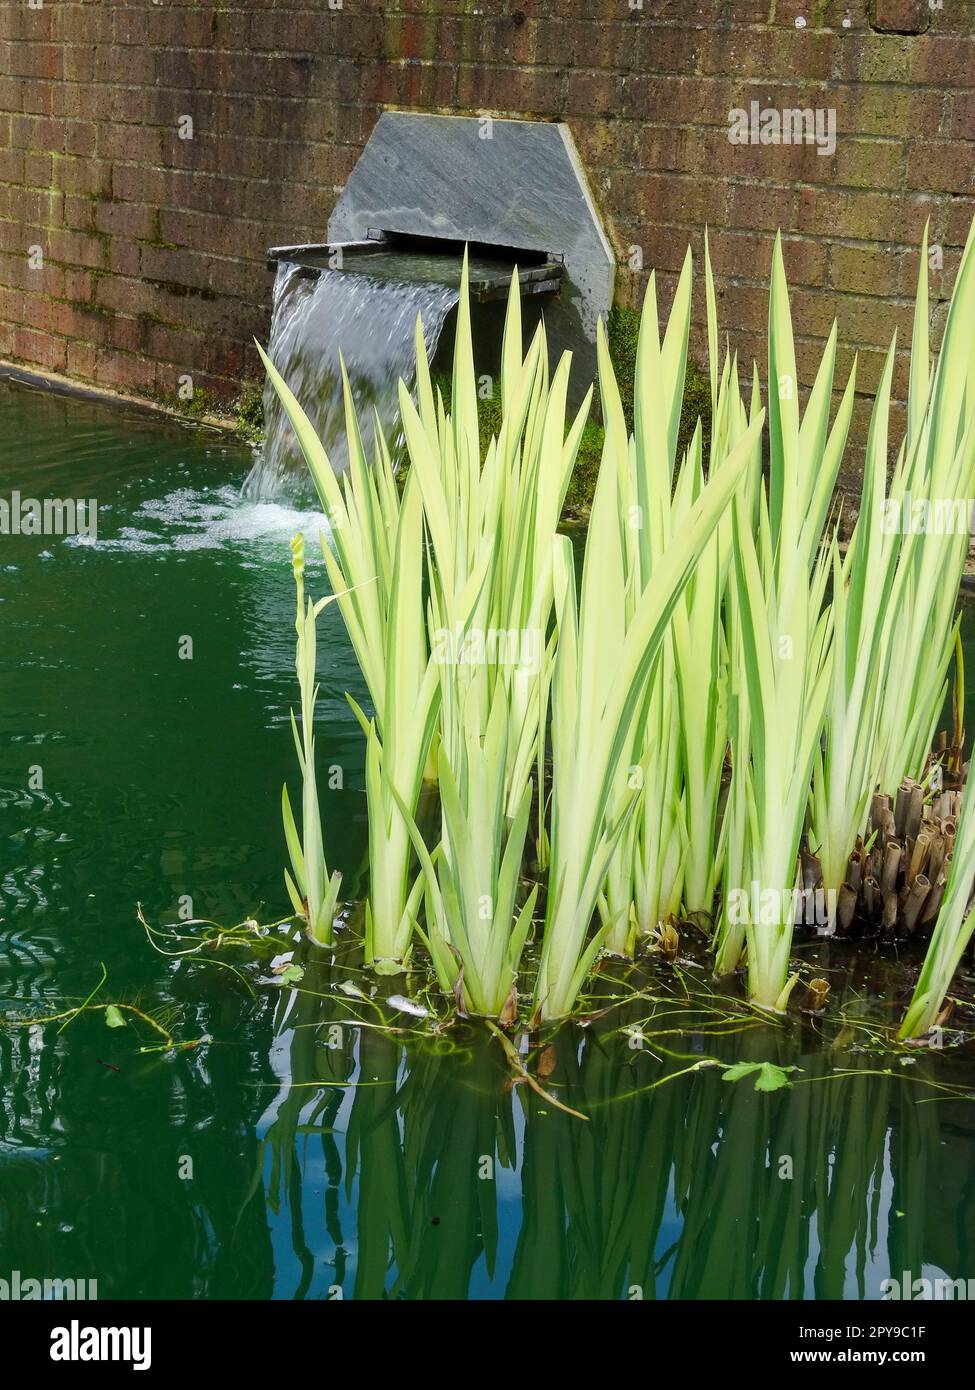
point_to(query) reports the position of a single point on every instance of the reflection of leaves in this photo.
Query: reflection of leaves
(113, 1017)
(768, 1077)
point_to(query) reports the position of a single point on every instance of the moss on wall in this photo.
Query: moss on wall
(249, 412)
(622, 330)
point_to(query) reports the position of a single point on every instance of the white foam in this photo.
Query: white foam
(189, 519)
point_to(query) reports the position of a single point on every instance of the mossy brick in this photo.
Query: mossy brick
(871, 163)
(37, 61)
(80, 138)
(135, 144)
(880, 58)
(761, 206)
(131, 26)
(135, 66)
(775, 164)
(273, 31)
(683, 100)
(765, 53)
(36, 132)
(186, 28)
(78, 63)
(11, 93)
(79, 213)
(749, 255)
(356, 36)
(124, 257)
(864, 269)
(519, 91)
(859, 216)
(12, 165)
(81, 322)
(957, 220)
(79, 286)
(639, 44)
(422, 86)
(676, 198)
(610, 142)
(595, 93)
(33, 207)
(71, 174)
(16, 272)
(39, 98)
(76, 248)
(940, 279)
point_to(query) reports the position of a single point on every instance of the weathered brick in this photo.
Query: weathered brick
(40, 349)
(942, 166)
(155, 245)
(124, 370)
(900, 16)
(759, 206)
(943, 61)
(593, 93)
(749, 255)
(864, 269)
(81, 361)
(136, 221)
(518, 90)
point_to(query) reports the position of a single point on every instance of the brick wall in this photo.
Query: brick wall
(153, 245)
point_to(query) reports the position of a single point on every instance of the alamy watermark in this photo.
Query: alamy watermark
(907, 1288)
(20, 1288)
(928, 516)
(49, 516)
(769, 907)
(520, 647)
(77, 1343)
(766, 125)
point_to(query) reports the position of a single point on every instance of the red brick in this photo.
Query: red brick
(81, 361)
(900, 16)
(943, 61)
(124, 370)
(942, 166)
(40, 349)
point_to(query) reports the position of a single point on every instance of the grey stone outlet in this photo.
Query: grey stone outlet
(504, 183)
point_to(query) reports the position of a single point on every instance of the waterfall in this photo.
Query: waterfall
(371, 322)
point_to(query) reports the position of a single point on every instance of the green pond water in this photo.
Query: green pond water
(292, 1153)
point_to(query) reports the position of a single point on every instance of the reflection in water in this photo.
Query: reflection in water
(401, 1168)
(296, 1155)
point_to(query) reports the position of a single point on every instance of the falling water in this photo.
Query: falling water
(371, 322)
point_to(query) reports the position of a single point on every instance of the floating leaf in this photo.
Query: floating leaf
(768, 1077)
(291, 975)
(113, 1017)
